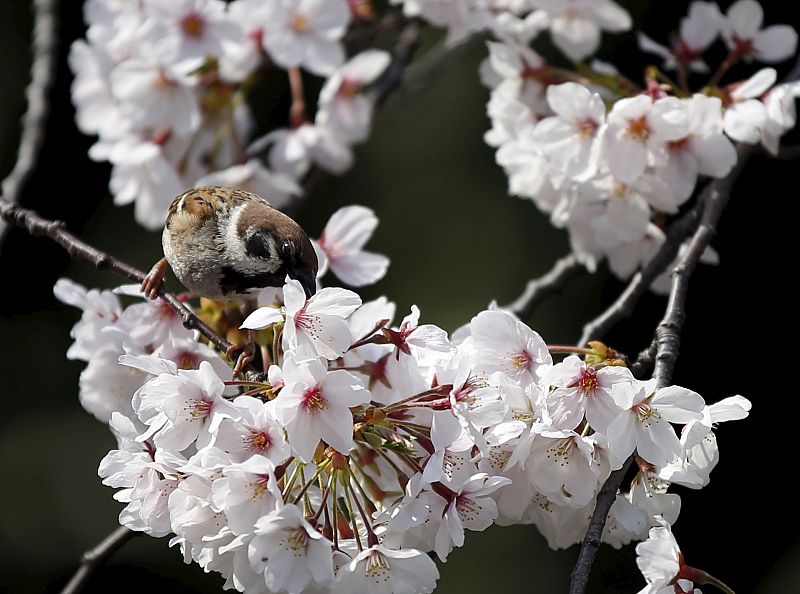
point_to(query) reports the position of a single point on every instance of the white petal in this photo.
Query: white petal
(349, 228)
(745, 18)
(744, 120)
(360, 269)
(334, 301)
(678, 405)
(262, 318)
(756, 85)
(776, 43)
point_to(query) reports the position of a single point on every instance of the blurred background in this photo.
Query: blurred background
(457, 241)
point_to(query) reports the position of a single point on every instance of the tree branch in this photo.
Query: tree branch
(94, 558)
(551, 282)
(669, 330)
(711, 203)
(45, 40)
(594, 533)
(56, 231)
(402, 54)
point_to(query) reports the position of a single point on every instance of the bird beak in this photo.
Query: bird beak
(306, 279)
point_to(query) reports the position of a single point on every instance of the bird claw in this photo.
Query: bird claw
(151, 285)
(244, 358)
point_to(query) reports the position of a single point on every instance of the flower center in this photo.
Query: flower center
(199, 409)
(465, 392)
(186, 360)
(299, 23)
(193, 25)
(561, 451)
(313, 400)
(587, 128)
(309, 323)
(257, 440)
(377, 567)
(639, 130)
(522, 361)
(588, 381)
(348, 89)
(467, 508)
(679, 145)
(645, 413)
(258, 488)
(296, 540)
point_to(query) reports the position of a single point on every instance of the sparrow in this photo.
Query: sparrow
(225, 243)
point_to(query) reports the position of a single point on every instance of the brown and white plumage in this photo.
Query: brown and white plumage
(226, 242)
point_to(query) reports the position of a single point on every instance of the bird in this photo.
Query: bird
(224, 243)
(227, 243)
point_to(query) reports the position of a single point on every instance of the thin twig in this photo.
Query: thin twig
(369, 31)
(45, 41)
(94, 558)
(551, 282)
(56, 231)
(435, 63)
(402, 54)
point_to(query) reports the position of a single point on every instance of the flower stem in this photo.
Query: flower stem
(564, 349)
(701, 577)
(297, 111)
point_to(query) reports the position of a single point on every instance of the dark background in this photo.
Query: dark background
(457, 241)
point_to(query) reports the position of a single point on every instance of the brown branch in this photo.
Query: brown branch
(551, 282)
(669, 330)
(56, 231)
(594, 533)
(402, 54)
(45, 41)
(95, 557)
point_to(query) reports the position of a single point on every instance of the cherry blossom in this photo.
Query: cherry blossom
(698, 30)
(342, 240)
(638, 126)
(344, 107)
(571, 139)
(579, 390)
(645, 423)
(745, 37)
(306, 33)
(315, 404)
(746, 115)
(289, 552)
(576, 24)
(314, 326)
(181, 406)
(387, 571)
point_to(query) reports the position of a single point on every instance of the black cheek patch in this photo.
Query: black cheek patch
(257, 244)
(234, 282)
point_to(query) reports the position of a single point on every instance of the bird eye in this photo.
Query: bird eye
(288, 250)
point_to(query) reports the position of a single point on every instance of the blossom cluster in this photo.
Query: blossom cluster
(609, 160)
(165, 84)
(365, 445)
